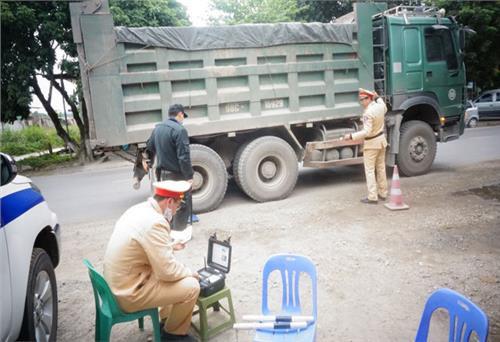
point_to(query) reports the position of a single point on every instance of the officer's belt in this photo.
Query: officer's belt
(377, 135)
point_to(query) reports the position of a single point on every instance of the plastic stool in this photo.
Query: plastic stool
(213, 301)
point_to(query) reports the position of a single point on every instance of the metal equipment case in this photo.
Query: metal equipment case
(213, 275)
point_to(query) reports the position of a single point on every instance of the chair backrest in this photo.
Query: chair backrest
(461, 312)
(290, 267)
(107, 303)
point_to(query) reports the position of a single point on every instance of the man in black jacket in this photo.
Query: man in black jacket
(169, 143)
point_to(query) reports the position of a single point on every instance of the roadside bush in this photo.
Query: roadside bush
(46, 160)
(32, 139)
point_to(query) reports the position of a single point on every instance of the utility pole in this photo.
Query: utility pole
(64, 108)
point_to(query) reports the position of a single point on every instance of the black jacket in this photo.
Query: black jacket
(169, 142)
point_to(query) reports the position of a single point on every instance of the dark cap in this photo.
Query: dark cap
(176, 108)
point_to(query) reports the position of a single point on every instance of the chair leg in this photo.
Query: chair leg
(141, 323)
(231, 308)
(156, 328)
(97, 326)
(104, 329)
(203, 323)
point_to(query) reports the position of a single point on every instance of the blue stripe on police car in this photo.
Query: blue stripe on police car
(16, 204)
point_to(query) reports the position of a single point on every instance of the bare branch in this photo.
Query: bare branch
(53, 116)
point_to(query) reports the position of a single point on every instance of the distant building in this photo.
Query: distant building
(39, 118)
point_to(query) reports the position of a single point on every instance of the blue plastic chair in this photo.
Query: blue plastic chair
(461, 311)
(290, 266)
(108, 312)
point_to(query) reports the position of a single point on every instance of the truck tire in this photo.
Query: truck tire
(40, 310)
(209, 179)
(266, 169)
(417, 148)
(236, 162)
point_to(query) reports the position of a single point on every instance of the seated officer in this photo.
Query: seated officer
(140, 267)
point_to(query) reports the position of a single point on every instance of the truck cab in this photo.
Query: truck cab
(418, 67)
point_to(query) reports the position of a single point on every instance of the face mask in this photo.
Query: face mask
(168, 214)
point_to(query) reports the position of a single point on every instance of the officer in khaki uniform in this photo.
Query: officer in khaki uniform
(374, 145)
(140, 267)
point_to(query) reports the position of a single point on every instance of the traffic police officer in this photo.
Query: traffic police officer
(140, 267)
(375, 144)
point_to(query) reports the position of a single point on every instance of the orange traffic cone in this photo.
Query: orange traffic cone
(396, 200)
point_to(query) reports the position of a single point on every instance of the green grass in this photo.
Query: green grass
(32, 139)
(46, 160)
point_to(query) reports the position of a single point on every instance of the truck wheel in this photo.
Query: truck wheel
(40, 311)
(209, 179)
(266, 169)
(236, 162)
(417, 148)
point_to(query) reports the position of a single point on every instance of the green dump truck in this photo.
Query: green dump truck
(263, 98)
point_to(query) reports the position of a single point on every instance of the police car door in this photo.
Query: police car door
(5, 290)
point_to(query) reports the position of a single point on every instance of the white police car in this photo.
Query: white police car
(29, 252)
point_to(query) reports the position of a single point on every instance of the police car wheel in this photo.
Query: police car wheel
(40, 311)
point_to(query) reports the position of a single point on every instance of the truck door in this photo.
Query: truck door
(413, 63)
(441, 69)
(5, 291)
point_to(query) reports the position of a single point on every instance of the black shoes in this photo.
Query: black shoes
(167, 337)
(367, 201)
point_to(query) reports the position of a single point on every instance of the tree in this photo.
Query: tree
(323, 11)
(482, 57)
(255, 11)
(31, 33)
(148, 13)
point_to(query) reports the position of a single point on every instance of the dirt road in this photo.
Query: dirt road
(375, 267)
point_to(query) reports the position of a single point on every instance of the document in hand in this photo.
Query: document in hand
(182, 236)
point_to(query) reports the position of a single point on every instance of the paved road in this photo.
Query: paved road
(475, 146)
(97, 194)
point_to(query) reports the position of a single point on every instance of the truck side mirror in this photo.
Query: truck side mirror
(9, 169)
(461, 40)
(461, 36)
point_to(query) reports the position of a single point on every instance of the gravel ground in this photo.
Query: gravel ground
(375, 267)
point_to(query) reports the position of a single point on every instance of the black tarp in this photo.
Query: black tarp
(237, 36)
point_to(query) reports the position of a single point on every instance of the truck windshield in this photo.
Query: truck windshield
(439, 47)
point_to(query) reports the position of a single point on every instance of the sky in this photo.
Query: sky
(57, 100)
(197, 10)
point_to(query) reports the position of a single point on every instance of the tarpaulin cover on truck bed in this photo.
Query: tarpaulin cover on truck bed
(238, 36)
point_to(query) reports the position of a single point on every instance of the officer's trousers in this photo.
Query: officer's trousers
(376, 179)
(176, 301)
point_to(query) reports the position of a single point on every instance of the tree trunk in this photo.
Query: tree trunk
(88, 146)
(85, 153)
(54, 117)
